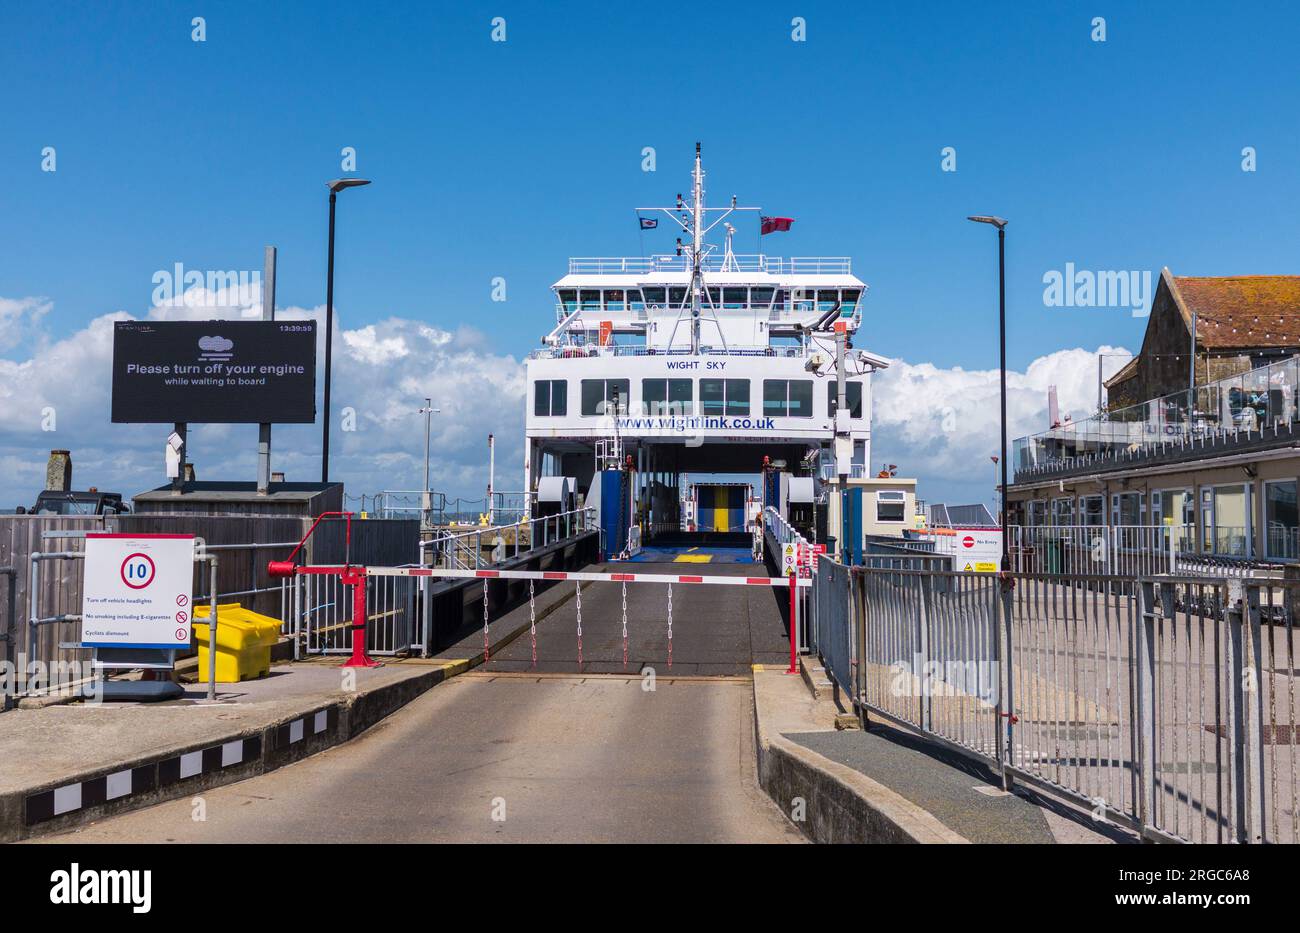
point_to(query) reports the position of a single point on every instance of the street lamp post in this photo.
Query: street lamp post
(428, 411)
(335, 187)
(1002, 365)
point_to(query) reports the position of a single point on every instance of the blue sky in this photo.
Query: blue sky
(503, 159)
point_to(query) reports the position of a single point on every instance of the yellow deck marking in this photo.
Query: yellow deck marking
(692, 558)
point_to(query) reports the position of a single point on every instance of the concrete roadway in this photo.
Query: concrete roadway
(568, 757)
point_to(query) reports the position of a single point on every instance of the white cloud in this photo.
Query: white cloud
(382, 371)
(942, 425)
(20, 319)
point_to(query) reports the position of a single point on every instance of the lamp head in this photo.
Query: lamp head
(339, 184)
(988, 219)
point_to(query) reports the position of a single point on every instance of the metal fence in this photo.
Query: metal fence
(1166, 704)
(1131, 550)
(323, 615)
(832, 620)
(464, 550)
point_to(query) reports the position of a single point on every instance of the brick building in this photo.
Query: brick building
(1242, 322)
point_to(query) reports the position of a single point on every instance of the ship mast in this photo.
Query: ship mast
(697, 251)
(695, 221)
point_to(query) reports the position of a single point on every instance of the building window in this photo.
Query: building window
(852, 392)
(787, 398)
(667, 397)
(890, 505)
(724, 397)
(1127, 508)
(550, 398)
(1092, 511)
(1280, 517)
(598, 396)
(1063, 512)
(1225, 520)
(1037, 513)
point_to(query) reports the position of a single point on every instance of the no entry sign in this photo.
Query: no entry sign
(137, 591)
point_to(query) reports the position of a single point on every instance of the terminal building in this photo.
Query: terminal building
(1209, 462)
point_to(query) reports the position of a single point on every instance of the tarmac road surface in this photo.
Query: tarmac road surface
(562, 758)
(564, 755)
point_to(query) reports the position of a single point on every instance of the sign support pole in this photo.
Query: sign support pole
(264, 429)
(212, 627)
(180, 427)
(794, 622)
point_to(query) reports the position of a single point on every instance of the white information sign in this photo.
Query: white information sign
(977, 550)
(137, 591)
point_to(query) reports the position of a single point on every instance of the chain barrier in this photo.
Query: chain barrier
(624, 626)
(532, 621)
(487, 648)
(578, 597)
(670, 626)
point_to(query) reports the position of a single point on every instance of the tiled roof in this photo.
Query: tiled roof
(1243, 311)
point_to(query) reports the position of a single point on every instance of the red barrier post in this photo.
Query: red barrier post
(794, 623)
(356, 578)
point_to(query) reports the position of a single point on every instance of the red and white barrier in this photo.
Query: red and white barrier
(581, 576)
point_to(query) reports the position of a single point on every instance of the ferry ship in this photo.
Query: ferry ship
(699, 361)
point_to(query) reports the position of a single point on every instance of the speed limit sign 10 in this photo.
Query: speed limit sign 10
(137, 591)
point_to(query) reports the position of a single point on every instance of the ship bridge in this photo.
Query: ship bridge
(746, 301)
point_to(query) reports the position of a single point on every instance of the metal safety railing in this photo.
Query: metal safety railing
(465, 549)
(1166, 704)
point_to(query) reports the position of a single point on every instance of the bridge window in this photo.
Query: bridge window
(614, 298)
(676, 297)
(550, 398)
(734, 297)
(667, 396)
(853, 394)
(724, 397)
(598, 396)
(890, 505)
(569, 298)
(850, 298)
(713, 297)
(761, 297)
(589, 299)
(655, 297)
(787, 398)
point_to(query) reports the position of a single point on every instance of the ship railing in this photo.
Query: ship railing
(641, 310)
(591, 351)
(745, 262)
